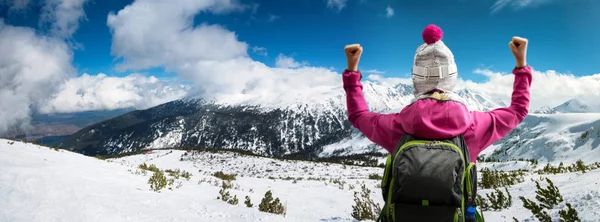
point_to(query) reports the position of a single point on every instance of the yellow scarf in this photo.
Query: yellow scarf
(438, 96)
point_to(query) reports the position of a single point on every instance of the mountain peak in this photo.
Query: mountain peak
(573, 106)
(478, 100)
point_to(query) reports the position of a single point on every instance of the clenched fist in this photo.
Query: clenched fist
(518, 46)
(353, 53)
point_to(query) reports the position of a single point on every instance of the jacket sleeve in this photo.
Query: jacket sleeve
(382, 129)
(490, 127)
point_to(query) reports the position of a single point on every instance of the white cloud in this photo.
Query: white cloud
(273, 18)
(259, 50)
(373, 71)
(31, 66)
(336, 4)
(548, 88)
(15, 5)
(102, 92)
(517, 4)
(283, 61)
(389, 12)
(155, 33)
(63, 16)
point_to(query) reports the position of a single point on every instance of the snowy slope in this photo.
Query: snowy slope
(553, 138)
(41, 184)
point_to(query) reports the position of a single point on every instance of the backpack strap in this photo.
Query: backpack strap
(460, 140)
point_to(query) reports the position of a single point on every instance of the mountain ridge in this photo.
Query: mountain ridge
(306, 126)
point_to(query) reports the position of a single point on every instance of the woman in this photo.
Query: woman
(434, 76)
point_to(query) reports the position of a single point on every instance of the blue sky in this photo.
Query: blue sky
(308, 30)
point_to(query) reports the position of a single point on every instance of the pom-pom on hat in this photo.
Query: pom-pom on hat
(432, 34)
(433, 67)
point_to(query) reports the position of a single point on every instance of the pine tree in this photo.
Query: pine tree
(548, 197)
(569, 215)
(247, 202)
(269, 205)
(499, 200)
(482, 203)
(365, 208)
(561, 168)
(537, 211)
(580, 166)
(509, 199)
(233, 201)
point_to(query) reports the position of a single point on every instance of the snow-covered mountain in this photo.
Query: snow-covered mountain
(314, 123)
(42, 184)
(306, 124)
(573, 106)
(561, 137)
(576, 105)
(480, 101)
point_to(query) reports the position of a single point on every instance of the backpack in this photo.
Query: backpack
(429, 180)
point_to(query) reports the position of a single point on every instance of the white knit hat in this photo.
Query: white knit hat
(434, 66)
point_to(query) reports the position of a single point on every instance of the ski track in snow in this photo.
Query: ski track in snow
(41, 184)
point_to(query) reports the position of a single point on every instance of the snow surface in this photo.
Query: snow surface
(41, 184)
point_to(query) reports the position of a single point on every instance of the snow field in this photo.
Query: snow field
(41, 184)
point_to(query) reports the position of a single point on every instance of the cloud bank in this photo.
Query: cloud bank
(102, 92)
(31, 66)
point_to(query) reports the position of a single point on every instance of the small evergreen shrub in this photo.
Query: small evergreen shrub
(375, 176)
(270, 205)
(233, 201)
(548, 198)
(365, 208)
(569, 215)
(578, 166)
(495, 179)
(152, 167)
(495, 200)
(186, 175)
(173, 173)
(224, 176)
(247, 202)
(157, 181)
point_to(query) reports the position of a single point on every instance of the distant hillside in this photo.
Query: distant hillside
(58, 125)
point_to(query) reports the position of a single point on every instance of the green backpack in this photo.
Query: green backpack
(426, 180)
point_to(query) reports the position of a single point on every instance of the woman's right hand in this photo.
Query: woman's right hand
(518, 46)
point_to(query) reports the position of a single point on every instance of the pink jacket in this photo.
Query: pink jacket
(431, 119)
